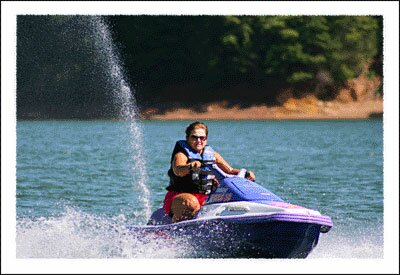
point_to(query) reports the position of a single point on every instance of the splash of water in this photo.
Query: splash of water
(124, 98)
(356, 243)
(75, 234)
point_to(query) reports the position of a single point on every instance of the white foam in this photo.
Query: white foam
(75, 234)
(350, 243)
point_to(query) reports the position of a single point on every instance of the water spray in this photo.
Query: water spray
(124, 99)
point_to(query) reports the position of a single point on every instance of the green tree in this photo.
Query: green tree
(173, 61)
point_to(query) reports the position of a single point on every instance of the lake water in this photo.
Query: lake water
(77, 189)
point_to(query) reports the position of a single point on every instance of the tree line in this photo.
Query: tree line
(180, 61)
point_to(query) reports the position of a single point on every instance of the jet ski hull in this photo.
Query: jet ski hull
(273, 236)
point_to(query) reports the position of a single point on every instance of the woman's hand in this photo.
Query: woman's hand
(194, 166)
(250, 175)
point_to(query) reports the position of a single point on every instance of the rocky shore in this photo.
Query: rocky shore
(357, 100)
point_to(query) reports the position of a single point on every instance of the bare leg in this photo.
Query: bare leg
(184, 207)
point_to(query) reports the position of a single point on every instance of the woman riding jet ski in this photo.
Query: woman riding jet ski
(189, 181)
(221, 212)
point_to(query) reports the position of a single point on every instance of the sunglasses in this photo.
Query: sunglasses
(202, 138)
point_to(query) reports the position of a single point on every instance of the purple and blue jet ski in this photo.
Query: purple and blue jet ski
(242, 219)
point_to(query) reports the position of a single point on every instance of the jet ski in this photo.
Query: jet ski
(242, 219)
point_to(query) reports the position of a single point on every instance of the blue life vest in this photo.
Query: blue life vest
(201, 182)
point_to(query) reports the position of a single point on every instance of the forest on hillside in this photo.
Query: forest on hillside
(186, 61)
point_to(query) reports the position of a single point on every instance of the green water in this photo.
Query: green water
(74, 169)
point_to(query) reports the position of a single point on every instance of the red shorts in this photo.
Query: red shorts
(169, 197)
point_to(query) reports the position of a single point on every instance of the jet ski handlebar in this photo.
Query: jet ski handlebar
(214, 167)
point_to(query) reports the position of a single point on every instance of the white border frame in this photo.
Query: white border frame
(390, 262)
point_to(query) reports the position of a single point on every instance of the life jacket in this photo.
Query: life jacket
(194, 182)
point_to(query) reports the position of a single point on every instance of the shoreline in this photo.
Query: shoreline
(293, 109)
(290, 110)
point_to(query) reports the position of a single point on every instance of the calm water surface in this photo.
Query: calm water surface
(76, 188)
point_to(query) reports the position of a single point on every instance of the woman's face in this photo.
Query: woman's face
(197, 139)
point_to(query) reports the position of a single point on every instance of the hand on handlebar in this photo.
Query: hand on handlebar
(194, 166)
(250, 175)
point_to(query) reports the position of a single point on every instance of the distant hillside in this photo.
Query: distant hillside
(191, 61)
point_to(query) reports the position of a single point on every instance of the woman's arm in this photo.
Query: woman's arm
(180, 165)
(224, 165)
(228, 169)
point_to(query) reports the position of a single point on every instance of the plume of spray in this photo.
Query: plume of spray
(124, 99)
